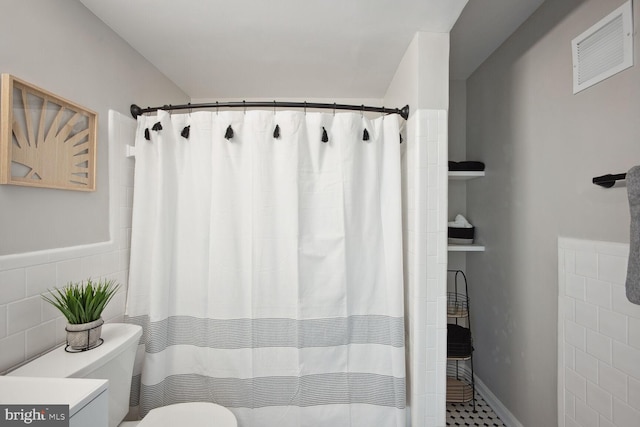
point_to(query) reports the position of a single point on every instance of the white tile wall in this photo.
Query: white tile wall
(28, 325)
(425, 175)
(599, 337)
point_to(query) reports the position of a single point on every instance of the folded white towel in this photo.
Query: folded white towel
(460, 222)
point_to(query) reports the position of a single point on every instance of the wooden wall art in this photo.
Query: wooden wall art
(45, 140)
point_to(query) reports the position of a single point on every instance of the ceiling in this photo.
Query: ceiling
(300, 49)
(482, 27)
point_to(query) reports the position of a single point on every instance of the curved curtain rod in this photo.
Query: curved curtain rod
(404, 111)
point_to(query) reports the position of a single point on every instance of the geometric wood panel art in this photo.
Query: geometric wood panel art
(45, 140)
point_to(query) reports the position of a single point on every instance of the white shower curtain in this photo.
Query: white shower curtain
(267, 272)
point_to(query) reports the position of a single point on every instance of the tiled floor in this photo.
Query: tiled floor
(461, 414)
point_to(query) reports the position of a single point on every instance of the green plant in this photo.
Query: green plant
(83, 303)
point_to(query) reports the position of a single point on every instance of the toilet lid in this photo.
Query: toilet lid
(193, 414)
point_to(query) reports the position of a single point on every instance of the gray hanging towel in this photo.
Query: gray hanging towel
(633, 268)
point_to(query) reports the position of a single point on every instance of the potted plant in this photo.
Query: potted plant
(82, 304)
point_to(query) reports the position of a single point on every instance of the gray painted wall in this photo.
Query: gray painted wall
(457, 152)
(542, 145)
(62, 47)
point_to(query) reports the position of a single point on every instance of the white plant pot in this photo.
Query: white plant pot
(84, 336)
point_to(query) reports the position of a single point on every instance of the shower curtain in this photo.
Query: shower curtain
(266, 266)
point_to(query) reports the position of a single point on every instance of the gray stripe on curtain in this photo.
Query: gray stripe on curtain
(308, 390)
(282, 332)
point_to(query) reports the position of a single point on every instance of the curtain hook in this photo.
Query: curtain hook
(274, 107)
(382, 113)
(362, 112)
(305, 108)
(217, 108)
(334, 109)
(190, 109)
(244, 104)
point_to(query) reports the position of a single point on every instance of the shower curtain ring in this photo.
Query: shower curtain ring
(305, 108)
(334, 109)
(217, 108)
(274, 107)
(362, 112)
(244, 104)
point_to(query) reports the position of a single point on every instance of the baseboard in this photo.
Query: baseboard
(505, 415)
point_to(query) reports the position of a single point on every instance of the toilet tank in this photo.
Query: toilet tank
(113, 361)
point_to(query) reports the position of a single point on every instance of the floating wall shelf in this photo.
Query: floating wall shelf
(465, 248)
(464, 175)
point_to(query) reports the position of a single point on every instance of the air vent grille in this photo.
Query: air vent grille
(604, 49)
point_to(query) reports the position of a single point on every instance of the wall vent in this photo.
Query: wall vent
(604, 49)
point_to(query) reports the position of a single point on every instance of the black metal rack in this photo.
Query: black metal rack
(460, 380)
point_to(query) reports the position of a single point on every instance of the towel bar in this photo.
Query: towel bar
(608, 181)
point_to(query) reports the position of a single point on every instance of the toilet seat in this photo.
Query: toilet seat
(193, 414)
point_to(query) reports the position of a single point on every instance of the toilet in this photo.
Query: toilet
(113, 361)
